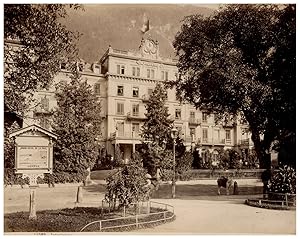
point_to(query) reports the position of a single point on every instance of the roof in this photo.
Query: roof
(34, 127)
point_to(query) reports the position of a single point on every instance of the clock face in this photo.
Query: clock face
(150, 47)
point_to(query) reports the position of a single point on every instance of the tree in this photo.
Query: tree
(36, 42)
(157, 126)
(235, 63)
(156, 132)
(77, 122)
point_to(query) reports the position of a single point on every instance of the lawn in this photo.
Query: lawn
(72, 220)
(101, 174)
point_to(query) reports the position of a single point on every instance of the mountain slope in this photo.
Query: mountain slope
(119, 26)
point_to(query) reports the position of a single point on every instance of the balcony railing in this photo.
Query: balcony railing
(246, 142)
(193, 121)
(128, 135)
(135, 115)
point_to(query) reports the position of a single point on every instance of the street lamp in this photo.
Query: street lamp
(173, 136)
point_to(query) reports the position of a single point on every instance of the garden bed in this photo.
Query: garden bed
(66, 220)
(271, 204)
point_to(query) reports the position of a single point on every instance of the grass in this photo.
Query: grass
(70, 220)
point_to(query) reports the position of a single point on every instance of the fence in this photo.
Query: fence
(140, 218)
(215, 173)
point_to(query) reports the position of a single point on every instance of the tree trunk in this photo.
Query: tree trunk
(262, 153)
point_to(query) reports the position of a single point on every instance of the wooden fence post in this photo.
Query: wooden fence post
(136, 221)
(286, 200)
(100, 226)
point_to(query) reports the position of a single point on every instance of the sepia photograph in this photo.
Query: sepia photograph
(149, 119)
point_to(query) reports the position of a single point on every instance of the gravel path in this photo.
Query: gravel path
(197, 213)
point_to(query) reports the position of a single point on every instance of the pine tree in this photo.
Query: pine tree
(77, 122)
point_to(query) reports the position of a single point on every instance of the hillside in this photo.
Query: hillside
(119, 26)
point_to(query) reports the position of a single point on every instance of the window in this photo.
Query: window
(204, 135)
(121, 69)
(217, 135)
(96, 69)
(120, 128)
(179, 129)
(164, 75)
(135, 110)
(193, 132)
(204, 117)
(228, 135)
(177, 113)
(45, 103)
(63, 65)
(135, 71)
(135, 129)
(120, 108)
(192, 117)
(97, 89)
(80, 66)
(135, 91)
(120, 90)
(152, 74)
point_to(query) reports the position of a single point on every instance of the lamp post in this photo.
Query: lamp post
(173, 135)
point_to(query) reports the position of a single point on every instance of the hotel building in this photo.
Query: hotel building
(123, 81)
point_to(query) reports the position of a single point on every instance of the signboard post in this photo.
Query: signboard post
(33, 157)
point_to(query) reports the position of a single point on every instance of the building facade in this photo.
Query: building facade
(123, 82)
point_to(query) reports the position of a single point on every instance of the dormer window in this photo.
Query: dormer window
(63, 66)
(96, 68)
(80, 67)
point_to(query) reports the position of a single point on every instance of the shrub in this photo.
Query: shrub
(283, 181)
(128, 184)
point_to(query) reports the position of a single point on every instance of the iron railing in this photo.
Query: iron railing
(136, 220)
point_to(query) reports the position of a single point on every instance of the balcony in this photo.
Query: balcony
(128, 135)
(135, 116)
(245, 142)
(209, 141)
(193, 121)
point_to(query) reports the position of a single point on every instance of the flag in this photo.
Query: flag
(146, 24)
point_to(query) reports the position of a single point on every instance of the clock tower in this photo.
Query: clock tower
(149, 48)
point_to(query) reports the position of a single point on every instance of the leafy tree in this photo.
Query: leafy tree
(77, 122)
(128, 184)
(242, 61)
(36, 42)
(119, 159)
(157, 126)
(156, 132)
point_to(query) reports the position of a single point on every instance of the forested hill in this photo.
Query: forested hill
(119, 26)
